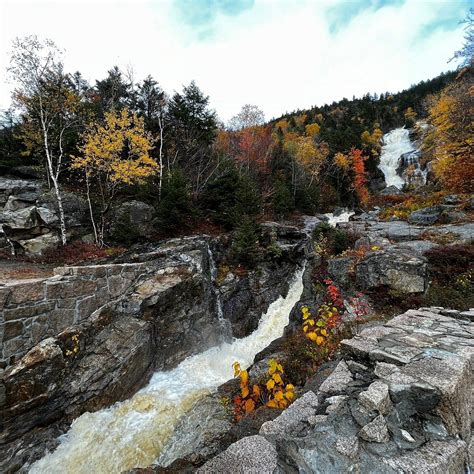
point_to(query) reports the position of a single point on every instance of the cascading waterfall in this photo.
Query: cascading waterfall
(223, 322)
(133, 433)
(395, 144)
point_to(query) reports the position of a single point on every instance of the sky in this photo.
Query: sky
(280, 55)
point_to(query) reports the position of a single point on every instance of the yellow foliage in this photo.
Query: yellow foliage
(308, 154)
(373, 139)
(272, 404)
(319, 118)
(300, 120)
(449, 142)
(410, 114)
(312, 130)
(249, 405)
(277, 378)
(342, 161)
(119, 149)
(279, 394)
(282, 125)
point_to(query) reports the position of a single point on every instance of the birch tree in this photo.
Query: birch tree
(114, 153)
(48, 104)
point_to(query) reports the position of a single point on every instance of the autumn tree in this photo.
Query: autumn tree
(449, 142)
(253, 150)
(308, 155)
(48, 103)
(410, 117)
(360, 179)
(372, 142)
(114, 153)
(249, 116)
(312, 130)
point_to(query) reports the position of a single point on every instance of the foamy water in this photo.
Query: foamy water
(396, 143)
(133, 433)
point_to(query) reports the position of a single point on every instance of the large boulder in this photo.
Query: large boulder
(400, 401)
(167, 314)
(75, 207)
(340, 269)
(29, 216)
(400, 270)
(391, 190)
(23, 189)
(436, 214)
(39, 245)
(134, 217)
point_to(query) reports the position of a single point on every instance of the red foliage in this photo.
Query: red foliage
(77, 252)
(360, 178)
(253, 147)
(334, 293)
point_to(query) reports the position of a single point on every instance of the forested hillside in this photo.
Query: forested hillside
(118, 139)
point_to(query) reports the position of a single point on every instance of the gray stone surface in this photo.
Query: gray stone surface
(253, 454)
(337, 381)
(400, 401)
(376, 431)
(402, 271)
(435, 457)
(376, 397)
(29, 216)
(136, 216)
(341, 268)
(300, 411)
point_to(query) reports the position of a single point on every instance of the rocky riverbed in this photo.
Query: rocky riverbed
(398, 400)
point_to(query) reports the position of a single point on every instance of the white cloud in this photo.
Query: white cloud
(279, 55)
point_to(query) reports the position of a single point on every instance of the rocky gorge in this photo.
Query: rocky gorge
(127, 364)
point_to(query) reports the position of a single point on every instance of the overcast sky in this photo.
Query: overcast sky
(278, 54)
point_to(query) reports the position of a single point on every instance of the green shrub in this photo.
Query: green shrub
(246, 247)
(175, 209)
(341, 241)
(322, 230)
(229, 197)
(282, 199)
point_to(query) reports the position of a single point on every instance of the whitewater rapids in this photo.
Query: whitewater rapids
(133, 433)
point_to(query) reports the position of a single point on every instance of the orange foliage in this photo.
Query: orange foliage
(360, 178)
(449, 142)
(254, 147)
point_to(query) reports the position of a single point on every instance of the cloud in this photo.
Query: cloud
(341, 13)
(280, 55)
(201, 16)
(205, 12)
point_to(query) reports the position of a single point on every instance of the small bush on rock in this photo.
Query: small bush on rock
(246, 247)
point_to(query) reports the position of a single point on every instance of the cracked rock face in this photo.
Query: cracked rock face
(399, 401)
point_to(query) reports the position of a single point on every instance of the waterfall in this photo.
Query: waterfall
(342, 217)
(395, 144)
(223, 322)
(133, 433)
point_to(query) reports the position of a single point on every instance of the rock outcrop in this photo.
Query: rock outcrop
(94, 334)
(400, 400)
(246, 296)
(163, 311)
(29, 219)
